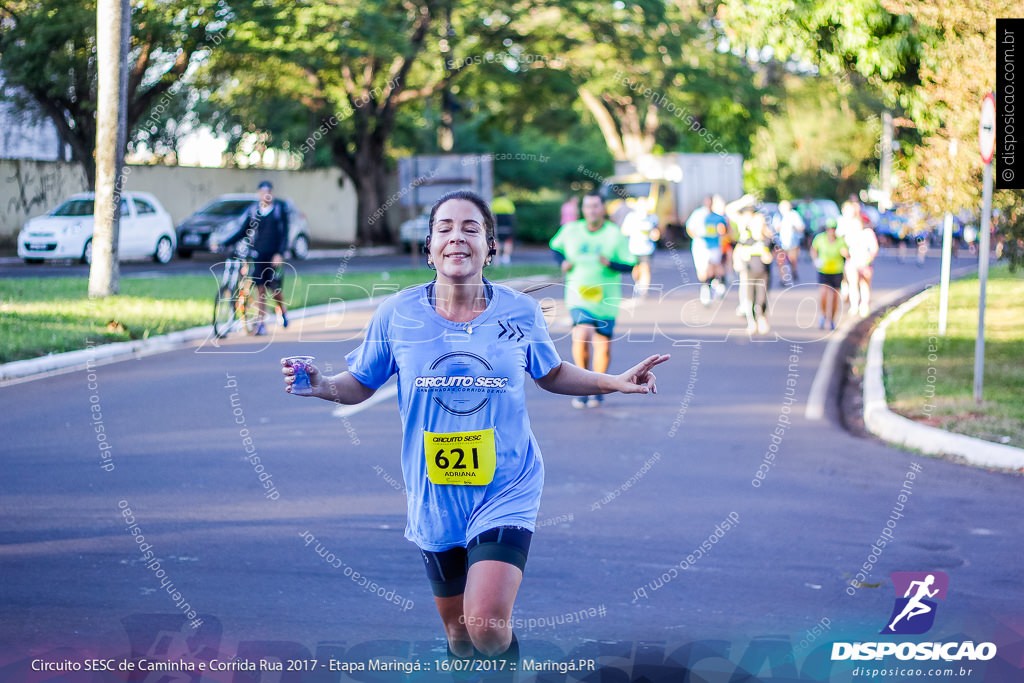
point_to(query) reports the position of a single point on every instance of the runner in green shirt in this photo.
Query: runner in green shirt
(593, 254)
(829, 253)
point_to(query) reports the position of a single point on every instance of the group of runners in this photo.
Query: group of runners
(843, 255)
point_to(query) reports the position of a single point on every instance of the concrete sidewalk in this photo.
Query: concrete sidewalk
(904, 432)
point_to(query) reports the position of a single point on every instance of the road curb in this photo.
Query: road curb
(902, 431)
(829, 369)
(101, 354)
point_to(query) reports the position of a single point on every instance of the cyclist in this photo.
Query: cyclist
(265, 232)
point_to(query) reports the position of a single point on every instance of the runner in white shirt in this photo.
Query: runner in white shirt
(790, 230)
(862, 244)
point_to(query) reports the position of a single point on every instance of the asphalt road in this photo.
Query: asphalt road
(658, 544)
(319, 261)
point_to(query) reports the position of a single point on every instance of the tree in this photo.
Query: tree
(650, 75)
(49, 48)
(958, 68)
(819, 140)
(933, 60)
(352, 68)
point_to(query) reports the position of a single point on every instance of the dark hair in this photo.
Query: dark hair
(594, 194)
(265, 183)
(480, 204)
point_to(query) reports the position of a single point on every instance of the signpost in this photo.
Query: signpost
(987, 145)
(947, 255)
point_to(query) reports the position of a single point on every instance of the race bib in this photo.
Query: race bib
(460, 458)
(592, 293)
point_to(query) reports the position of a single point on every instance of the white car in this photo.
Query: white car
(413, 232)
(147, 230)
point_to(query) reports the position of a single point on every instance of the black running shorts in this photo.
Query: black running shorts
(447, 569)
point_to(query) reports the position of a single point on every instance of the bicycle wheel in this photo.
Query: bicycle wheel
(223, 312)
(248, 309)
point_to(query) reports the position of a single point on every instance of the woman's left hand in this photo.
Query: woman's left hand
(639, 379)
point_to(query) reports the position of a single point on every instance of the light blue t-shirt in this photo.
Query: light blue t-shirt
(712, 238)
(455, 378)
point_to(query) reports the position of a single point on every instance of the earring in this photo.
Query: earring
(430, 264)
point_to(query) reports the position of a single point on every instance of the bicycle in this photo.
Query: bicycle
(237, 299)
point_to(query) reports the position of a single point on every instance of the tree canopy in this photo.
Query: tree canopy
(795, 87)
(48, 49)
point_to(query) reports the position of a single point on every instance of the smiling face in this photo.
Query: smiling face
(459, 247)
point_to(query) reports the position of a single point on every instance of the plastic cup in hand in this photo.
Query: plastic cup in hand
(300, 364)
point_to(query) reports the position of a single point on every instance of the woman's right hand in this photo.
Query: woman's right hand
(289, 377)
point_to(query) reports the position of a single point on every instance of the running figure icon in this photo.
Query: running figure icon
(915, 607)
(917, 596)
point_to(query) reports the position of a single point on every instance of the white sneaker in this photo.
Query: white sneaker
(705, 294)
(579, 402)
(762, 325)
(751, 326)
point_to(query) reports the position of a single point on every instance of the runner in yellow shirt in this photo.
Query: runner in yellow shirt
(829, 254)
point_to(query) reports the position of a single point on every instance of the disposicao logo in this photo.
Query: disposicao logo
(913, 614)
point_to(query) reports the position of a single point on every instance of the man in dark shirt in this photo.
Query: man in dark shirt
(265, 231)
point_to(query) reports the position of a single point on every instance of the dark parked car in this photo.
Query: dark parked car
(816, 212)
(224, 217)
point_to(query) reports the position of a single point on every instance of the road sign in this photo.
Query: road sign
(987, 145)
(987, 128)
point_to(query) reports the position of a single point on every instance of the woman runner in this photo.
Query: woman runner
(462, 348)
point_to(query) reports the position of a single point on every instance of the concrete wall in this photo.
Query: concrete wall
(30, 188)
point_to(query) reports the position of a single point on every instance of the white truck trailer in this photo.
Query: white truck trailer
(674, 184)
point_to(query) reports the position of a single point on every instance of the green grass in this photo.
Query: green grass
(39, 316)
(914, 352)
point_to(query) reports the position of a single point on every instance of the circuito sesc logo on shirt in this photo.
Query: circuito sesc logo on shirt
(461, 383)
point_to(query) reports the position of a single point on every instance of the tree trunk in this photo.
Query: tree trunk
(368, 173)
(113, 21)
(625, 134)
(374, 203)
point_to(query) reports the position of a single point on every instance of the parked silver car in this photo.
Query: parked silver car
(224, 217)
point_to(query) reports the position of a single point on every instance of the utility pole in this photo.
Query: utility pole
(113, 31)
(885, 165)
